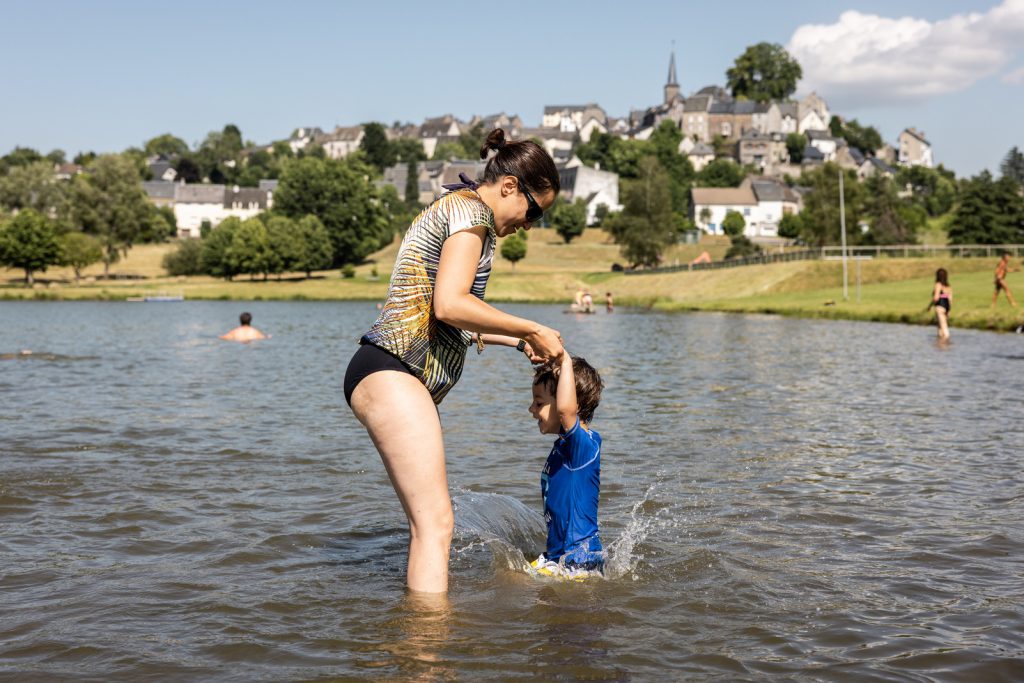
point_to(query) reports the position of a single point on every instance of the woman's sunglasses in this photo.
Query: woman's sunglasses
(533, 211)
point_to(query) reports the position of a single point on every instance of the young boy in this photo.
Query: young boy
(564, 399)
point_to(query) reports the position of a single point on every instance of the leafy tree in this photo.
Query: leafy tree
(796, 143)
(412, 183)
(892, 221)
(188, 170)
(187, 259)
(645, 227)
(614, 154)
(990, 212)
(341, 195)
(569, 220)
(214, 258)
(448, 150)
(79, 251)
(315, 251)
(56, 156)
(379, 152)
(665, 141)
(790, 226)
(19, 156)
(721, 173)
(932, 189)
(408, 149)
(29, 241)
(1013, 166)
(109, 202)
(33, 186)
(764, 72)
(513, 248)
(250, 251)
(472, 140)
(160, 225)
(284, 241)
(85, 158)
(865, 138)
(733, 224)
(166, 144)
(820, 218)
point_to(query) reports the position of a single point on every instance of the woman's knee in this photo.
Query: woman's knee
(437, 525)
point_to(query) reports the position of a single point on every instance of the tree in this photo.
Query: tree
(448, 150)
(645, 227)
(29, 241)
(250, 251)
(188, 170)
(796, 143)
(865, 138)
(160, 225)
(214, 258)
(1013, 166)
(721, 173)
(569, 220)
(891, 220)
(19, 156)
(472, 140)
(342, 196)
(614, 154)
(931, 188)
(79, 251)
(187, 259)
(412, 183)
(33, 186)
(315, 251)
(379, 152)
(665, 141)
(990, 212)
(764, 72)
(820, 217)
(109, 202)
(284, 241)
(167, 145)
(513, 248)
(733, 224)
(790, 226)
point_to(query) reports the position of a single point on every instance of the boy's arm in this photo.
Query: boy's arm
(565, 394)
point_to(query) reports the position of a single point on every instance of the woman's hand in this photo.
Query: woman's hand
(543, 344)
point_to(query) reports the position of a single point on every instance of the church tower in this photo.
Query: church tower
(671, 87)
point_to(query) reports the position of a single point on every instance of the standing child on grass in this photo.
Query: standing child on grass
(565, 396)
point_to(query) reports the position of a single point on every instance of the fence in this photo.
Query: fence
(833, 253)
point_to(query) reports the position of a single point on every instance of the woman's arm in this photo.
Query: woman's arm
(455, 305)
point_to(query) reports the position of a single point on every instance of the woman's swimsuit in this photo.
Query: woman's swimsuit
(944, 300)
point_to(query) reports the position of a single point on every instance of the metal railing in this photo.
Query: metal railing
(833, 253)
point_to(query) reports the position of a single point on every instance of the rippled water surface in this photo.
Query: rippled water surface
(784, 500)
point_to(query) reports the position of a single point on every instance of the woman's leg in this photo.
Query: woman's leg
(401, 418)
(940, 312)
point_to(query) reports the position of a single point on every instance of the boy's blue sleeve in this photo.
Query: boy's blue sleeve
(580, 447)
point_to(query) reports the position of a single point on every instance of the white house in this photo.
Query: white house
(701, 155)
(197, 202)
(593, 185)
(301, 137)
(915, 150)
(824, 143)
(570, 118)
(342, 142)
(762, 202)
(436, 130)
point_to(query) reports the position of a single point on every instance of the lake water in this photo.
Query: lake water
(783, 500)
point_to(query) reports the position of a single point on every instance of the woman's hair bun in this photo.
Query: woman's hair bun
(495, 140)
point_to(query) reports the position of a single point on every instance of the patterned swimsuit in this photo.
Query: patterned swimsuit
(433, 351)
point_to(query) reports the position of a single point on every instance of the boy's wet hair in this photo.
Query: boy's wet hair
(588, 385)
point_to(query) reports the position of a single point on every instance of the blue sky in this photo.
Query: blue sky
(106, 75)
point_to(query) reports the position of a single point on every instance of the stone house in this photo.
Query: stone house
(731, 119)
(302, 137)
(437, 130)
(197, 202)
(763, 150)
(781, 117)
(874, 166)
(570, 118)
(696, 120)
(914, 149)
(812, 114)
(555, 141)
(512, 125)
(700, 155)
(161, 168)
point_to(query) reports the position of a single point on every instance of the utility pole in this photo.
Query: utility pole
(842, 224)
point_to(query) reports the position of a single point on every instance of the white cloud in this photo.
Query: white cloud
(866, 59)
(1015, 77)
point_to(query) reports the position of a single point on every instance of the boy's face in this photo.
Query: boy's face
(542, 408)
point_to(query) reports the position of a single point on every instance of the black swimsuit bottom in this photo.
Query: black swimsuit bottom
(366, 361)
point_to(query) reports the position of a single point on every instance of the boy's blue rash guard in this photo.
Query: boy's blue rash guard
(570, 485)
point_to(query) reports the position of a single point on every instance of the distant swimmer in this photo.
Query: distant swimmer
(244, 332)
(609, 303)
(1002, 268)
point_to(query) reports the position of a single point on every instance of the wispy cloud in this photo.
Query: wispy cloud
(866, 59)
(1015, 77)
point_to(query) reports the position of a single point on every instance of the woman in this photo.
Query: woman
(942, 300)
(413, 354)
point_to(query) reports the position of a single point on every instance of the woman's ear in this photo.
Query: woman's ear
(509, 185)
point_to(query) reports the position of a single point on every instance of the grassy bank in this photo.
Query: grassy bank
(892, 290)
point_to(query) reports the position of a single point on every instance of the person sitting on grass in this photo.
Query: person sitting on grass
(244, 332)
(565, 395)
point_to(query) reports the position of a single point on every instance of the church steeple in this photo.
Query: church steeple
(672, 86)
